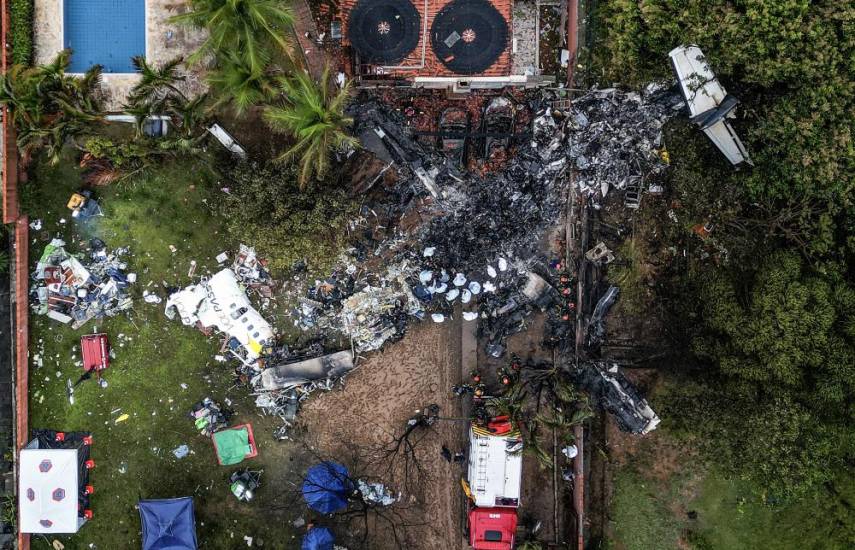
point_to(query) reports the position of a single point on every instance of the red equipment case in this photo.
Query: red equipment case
(96, 351)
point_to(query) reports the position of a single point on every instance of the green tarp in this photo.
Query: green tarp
(232, 445)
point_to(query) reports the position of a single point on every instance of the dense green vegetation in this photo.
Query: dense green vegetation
(246, 39)
(21, 31)
(50, 107)
(764, 305)
(704, 510)
(251, 64)
(265, 207)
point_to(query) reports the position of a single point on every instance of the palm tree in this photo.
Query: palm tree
(157, 93)
(157, 84)
(190, 114)
(315, 117)
(48, 106)
(235, 82)
(246, 27)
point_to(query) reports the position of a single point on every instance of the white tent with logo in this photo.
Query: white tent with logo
(48, 491)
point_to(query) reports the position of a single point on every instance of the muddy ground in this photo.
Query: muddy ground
(358, 424)
(637, 338)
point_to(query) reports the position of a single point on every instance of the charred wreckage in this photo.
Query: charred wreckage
(476, 250)
(441, 241)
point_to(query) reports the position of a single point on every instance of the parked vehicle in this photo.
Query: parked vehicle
(494, 480)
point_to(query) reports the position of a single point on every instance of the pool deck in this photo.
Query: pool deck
(164, 41)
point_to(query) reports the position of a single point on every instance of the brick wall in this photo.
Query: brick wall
(11, 214)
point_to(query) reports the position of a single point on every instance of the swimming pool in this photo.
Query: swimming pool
(104, 32)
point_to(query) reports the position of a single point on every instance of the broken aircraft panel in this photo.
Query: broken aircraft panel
(614, 393)
(220, 302)
(596, 325)
(709, 104)
(327, 367)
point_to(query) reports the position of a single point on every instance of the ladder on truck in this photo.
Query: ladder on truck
(481, 471)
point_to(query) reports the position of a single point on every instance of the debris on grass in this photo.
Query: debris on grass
(220, 302)
(209, 416)
(76, 288)
(181, 451)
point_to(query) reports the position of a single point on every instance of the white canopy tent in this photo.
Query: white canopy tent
(48, 491)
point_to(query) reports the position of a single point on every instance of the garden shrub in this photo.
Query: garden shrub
(21, 31)
(265, 208)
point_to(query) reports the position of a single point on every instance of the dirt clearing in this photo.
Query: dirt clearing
(373, 408)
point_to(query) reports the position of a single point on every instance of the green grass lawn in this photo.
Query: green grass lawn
(154, 357)
(650, 513)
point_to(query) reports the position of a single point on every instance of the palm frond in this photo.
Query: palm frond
(315, 118)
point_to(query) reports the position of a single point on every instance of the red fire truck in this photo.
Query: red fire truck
(493, 484)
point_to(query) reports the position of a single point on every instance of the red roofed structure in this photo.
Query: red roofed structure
(455, 44)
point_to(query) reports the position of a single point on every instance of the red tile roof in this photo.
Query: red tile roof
(432, 65)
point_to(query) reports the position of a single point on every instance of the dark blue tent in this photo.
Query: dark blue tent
(168, 524)
(318, 538)
(327, 487)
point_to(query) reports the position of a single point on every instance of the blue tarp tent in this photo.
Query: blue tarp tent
(168, 524)
(318, 538)
(327, 487)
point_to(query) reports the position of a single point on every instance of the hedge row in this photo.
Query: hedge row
(21, 31)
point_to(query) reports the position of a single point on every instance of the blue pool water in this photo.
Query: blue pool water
(104, 32)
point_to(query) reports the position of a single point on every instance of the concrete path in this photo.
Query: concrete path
(313, 55)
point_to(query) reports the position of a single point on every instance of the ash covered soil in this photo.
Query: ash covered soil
(362, 420)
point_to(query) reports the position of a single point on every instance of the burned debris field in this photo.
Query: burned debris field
(458, 274)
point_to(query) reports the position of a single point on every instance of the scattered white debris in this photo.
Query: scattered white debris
(181, 451)
(151, 298)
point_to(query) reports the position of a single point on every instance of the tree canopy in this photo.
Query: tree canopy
(246, 45)
(264, 206)
(315, 116)
(789, 329)
(770, 322)
(49, 106)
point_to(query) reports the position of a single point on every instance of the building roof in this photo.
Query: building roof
(471, 36)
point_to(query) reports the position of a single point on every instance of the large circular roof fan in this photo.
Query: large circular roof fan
(469, 35)
(384, 31)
